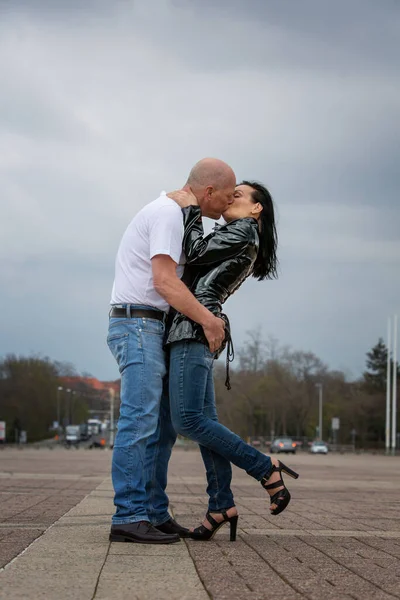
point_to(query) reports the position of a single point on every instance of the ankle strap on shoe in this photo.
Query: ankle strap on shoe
(271, 486)
(212, 521)
(215, 523)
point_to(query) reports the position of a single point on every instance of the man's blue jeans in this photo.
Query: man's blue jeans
(194, 415)
(145, 435)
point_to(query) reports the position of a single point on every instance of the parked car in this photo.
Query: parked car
(283, 444)
(84, 432)
(94, 426)
(72, 435)
(97, 441)
(319, 448)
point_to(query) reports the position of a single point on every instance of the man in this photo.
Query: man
(147, 282)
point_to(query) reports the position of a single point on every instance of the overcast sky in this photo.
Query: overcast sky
(104, 104)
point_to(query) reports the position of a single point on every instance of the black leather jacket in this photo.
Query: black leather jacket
(215, 268)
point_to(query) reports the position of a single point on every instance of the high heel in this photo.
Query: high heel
(282, 497)
(202, 533)
(287, 470)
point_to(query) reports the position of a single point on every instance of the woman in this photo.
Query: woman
(216, 266)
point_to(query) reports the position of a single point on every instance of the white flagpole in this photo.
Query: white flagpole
(394, 386)
(389, 349)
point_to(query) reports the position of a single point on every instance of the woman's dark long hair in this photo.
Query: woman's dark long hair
(266, 264)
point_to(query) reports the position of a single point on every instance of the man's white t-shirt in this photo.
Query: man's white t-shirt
(156, 229)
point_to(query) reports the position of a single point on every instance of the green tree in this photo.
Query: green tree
(375, 375)
(28, 395)
(274, 392)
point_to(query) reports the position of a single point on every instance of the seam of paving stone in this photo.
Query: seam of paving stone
(101, 571)
(353, 571)
(23, 526)
(107, 553)
(341, 515)
(235, 570)
(376, 533)
(19, 514)
(282, 577)
(197, 570)
(43, 532)
(171, 510)
(362, 541)
(8, 519)
(22, 552)
(49, 476)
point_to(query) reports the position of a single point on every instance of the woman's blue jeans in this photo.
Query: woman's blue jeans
(194, 415)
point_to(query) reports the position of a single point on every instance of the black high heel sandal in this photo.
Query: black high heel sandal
(282, 497)
(202, 533)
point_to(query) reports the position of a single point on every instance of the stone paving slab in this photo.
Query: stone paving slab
(37, 487)
(74, 559)
(339, 539)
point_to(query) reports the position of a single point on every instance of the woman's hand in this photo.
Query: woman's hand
(183, 199)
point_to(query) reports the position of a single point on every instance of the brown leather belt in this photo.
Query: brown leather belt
(140, 313)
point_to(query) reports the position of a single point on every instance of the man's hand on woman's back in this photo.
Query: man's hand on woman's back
(183, 198)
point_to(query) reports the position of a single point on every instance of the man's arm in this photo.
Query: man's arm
(216, 247)
(174, 291)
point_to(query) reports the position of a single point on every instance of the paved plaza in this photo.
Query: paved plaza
(339, 538)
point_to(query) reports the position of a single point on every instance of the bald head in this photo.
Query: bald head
(211, 171)
(213, 182)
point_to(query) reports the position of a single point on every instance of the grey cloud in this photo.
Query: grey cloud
(342, 37)
(59, 10)
(106, 105)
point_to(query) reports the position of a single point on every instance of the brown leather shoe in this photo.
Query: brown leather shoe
(171, 526)
(141, 532)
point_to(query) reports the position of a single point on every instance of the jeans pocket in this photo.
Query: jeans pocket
(152, 326)
(208, 353)
(118, 345)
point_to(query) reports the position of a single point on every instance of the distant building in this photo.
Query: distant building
(95, 392)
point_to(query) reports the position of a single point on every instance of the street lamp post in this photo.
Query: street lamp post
(72, 405)
(319, 386)
(394, 387)
(70, 399)
(59, 389)
(388, 389)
